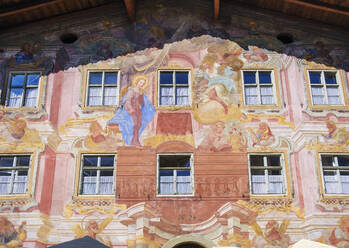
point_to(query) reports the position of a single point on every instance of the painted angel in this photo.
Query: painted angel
(93, 229)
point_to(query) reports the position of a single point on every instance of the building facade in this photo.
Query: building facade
(174, 129)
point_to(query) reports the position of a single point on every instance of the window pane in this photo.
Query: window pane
(251, 95)
(166, 77)
(256, 160)
(174, 161)
(330, 78)
(265, 77)
(89, 182)
(90, 161)
(273, 160)
(30, 97)
(15, 97)
(166, 182)
(17, 80)
(267, 95)
(95, 78)
(258, 184)
(327, 160)
(110, 78)
(23, 161)
(182, 77)
(275, 184)
(249, 77)
(33, 79)
(182, 96)
(20, 182)
(5, 181)
(107, 161)
(106, 182)
(6, 161)
(166, 95)
(183, 182)
(95, 96)
(315, 77)
(110, 96)
(343, 160)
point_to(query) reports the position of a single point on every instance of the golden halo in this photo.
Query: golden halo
(138, 78)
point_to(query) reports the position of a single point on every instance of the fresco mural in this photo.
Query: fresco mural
(216, 128)
(9, 235)
(135, 113)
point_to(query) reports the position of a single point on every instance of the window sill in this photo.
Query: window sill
(15, 196)
(92, 108)
(174, 107)
(270, 196)
(91, 197)
(188, 195)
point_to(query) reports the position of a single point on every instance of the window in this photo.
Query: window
(335, 171)
(23, 89)
(267, 174)
(175, 174)
(14, 174)
(97, 175)
(325, 88)
(258, 87)
(174, 88)
(102, 88)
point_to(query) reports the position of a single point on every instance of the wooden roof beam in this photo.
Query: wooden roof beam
(216, 9)
(33, 6)
(315, 6)
(130, 7)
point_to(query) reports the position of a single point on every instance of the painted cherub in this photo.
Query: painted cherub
(263, 136)
(93, 229)
(274, 235)
(338, 236)
(338, 135)
(217, 139)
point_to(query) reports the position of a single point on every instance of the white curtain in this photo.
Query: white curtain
(251, 95)
(94, 96)
(275, 184)
(332, 185)
(333, 95)
(106, 184)
(15, 97)
(166, 185)
(182, 94)
(89, 185)
(19, 184)
(267, 95)
(317, 95)
(183, 185)
(110, 94)
(5, 184)
(345, 184)
(166, 95)
(258, 184)
(30, 97)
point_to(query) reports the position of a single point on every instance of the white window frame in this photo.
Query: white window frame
(25, 87)
(324, 87)
(14, 172)
(175, 174)
(336, 168)
(258, 85)
(117, 85)
(174, 87)
(266, 168)
(98, 169)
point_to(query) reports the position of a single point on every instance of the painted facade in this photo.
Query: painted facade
(227, 98)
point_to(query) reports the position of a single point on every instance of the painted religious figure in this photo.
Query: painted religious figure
(216, 98)
(9, 236)
(108, 138)
(217, 139)
(135, 112)
(263, 136)
(336, 135)
(339, 236)
(274, 235)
